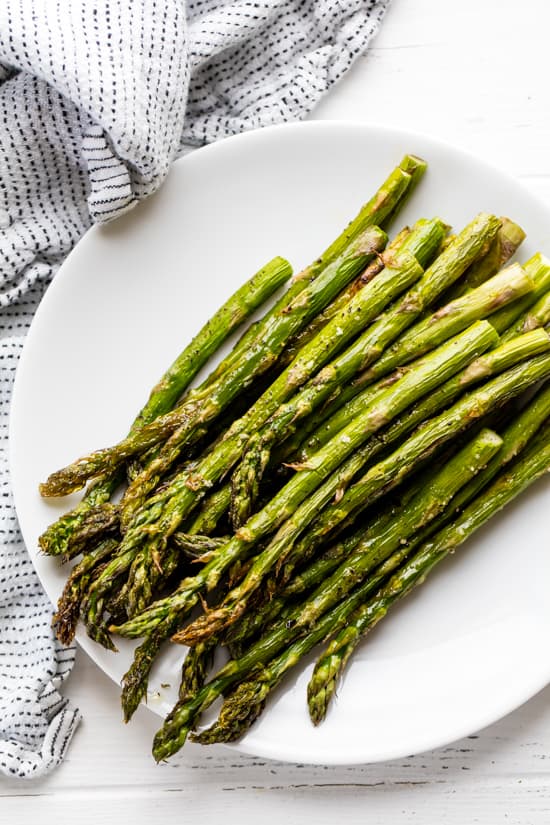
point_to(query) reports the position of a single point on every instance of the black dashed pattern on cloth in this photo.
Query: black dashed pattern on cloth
(96, 101)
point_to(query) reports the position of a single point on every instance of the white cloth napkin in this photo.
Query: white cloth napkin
(97, 98)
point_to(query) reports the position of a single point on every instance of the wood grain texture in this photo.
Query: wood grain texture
(475, 74)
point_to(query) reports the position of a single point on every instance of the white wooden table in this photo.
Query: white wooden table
(475, 73)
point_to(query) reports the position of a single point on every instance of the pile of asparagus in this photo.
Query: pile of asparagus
(292, 497)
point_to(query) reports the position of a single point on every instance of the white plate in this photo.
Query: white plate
(470, 645)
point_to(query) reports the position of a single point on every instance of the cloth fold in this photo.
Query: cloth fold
(96, 101)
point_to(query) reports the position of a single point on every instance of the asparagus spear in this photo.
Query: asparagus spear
(378, 545)
(536, 316)
(68, 606)
(56, 539)
(376, 266)
(244, 705)
(252, 294)
(134, 681)
(251, 623)
(379, 211)
(194, 669)
(96, 523)
(352, 570)
(538, 267)
(426, 375)
(507, 241)
(400, 272)
(172, 735)
(505, 287)
(185, 714)
(516, 436)
(134, 685)
(523, 472)
(213, 507)
(196, 546)
(384, 203)
(445, 426)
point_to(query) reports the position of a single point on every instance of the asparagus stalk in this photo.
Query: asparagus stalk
(515, 438)
(538, 267)
(213, 508)
(384, 203)
(359, 311)
(134, 685)
(68, 606)
(507, 241)
(302, 487)
(455, 259)
(496, 361)
(134, 681)
(399, 273)
(251, 295)
(198, 547)
(96, 524)
(424, 240)
(172, 735)
(185, 714)
(379, 210)
(194, 669)
(522, 473)
(469, 409)
(536, 316)
(376, 266)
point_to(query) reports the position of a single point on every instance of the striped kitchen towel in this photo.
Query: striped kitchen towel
(97, 98)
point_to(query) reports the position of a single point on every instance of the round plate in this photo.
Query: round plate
(460, 652)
